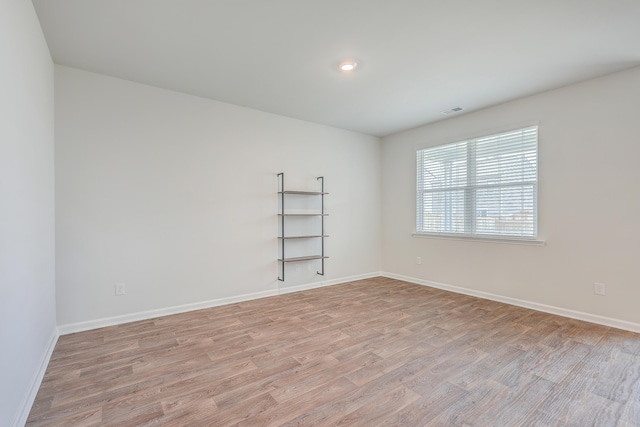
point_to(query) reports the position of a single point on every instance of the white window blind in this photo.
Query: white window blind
(482, 186)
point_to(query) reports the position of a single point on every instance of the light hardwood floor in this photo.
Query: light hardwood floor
(377, 352)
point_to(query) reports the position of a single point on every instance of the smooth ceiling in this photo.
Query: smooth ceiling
(417, 58)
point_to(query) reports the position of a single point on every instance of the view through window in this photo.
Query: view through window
(481, 186)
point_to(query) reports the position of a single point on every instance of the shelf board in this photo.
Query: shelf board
(304, 193)
(303, 214)
(303, 237)
(303, 258)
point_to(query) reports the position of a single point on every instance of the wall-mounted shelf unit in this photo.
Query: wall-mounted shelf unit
(283, 214)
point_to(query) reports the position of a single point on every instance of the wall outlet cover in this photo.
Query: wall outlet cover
(598, 288)
(120, 289)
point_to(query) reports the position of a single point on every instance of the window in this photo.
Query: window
(480, 187)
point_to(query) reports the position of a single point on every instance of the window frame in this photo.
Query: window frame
(470, 186)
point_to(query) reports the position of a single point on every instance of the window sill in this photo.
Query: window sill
(483, 239)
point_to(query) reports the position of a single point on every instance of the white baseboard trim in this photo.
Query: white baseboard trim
(579, 315)
(70, 328)
(329, 282)
(27, 402)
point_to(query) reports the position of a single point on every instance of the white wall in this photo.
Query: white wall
(175, 196)
(27, 305)
(589, 202)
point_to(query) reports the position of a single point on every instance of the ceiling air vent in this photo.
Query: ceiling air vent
(453, 110)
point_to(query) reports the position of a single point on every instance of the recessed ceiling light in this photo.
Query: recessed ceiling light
(347, 65)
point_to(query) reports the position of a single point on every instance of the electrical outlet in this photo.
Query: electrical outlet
(419, 260)
(598, 288)
(120, 289)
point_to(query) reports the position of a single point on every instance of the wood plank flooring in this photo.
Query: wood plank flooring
(377, 352)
